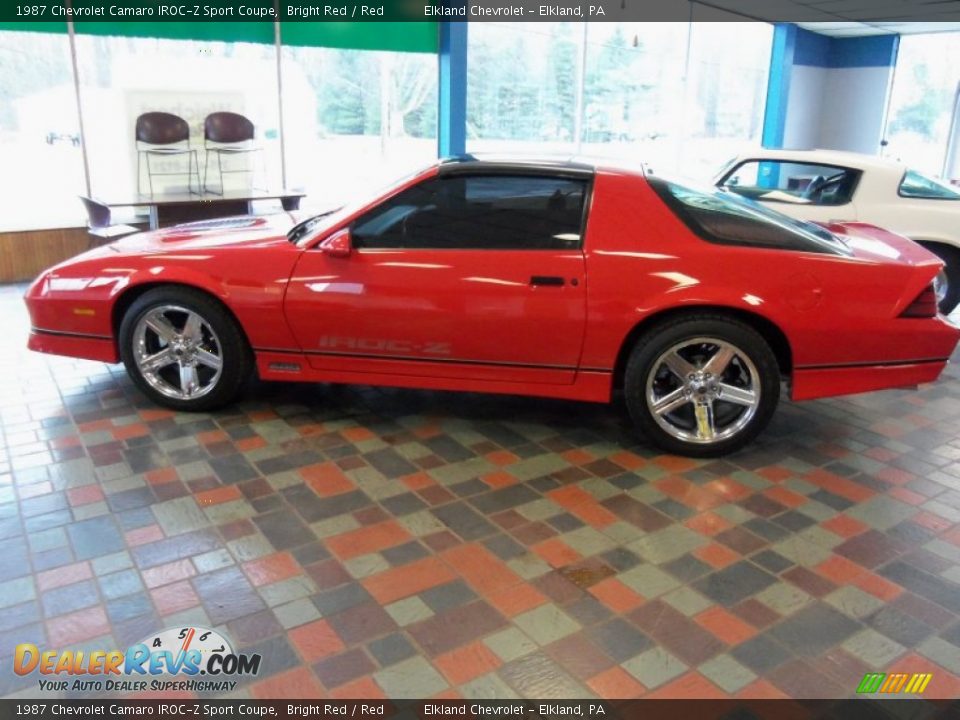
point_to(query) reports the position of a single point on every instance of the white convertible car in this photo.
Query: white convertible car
(826, 186)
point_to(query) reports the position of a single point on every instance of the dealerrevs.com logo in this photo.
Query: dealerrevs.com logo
(174, 659)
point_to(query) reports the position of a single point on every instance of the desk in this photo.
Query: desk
(172, 208)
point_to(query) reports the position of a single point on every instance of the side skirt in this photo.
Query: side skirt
(587, 386)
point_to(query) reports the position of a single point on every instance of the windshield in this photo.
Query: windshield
(723, 217)
(918, 185)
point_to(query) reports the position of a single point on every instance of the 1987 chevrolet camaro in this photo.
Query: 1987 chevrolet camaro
(554, 279)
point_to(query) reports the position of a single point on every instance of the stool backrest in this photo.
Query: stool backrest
(162, 128)
(227, 127)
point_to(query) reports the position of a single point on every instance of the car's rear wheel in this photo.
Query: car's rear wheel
(702, 385)
(947, 283)
(183, 349)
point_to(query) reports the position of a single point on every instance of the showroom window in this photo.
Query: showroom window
(922, 103)
(39, 132)
(725, 93)
(123, 77)
(499, 212)
(678, 96)
(355, 119)
(521, 86)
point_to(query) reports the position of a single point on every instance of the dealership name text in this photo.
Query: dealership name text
(514, 11)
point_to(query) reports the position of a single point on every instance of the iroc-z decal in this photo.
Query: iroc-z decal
(383, 345)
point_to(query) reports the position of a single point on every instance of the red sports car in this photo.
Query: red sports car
(564, 280)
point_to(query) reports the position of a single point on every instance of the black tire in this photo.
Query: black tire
(235, 355)
(951, 256)
(646, 358)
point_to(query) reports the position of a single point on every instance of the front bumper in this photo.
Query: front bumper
(87, 347)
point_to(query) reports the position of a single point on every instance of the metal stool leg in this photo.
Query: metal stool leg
(206, 167)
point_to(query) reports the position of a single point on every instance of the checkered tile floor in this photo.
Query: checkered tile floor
(395, 543)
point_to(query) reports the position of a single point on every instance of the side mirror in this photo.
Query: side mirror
(337, 245)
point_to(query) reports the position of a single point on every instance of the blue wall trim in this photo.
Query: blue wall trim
(821, 51)
(452, 95)
(778, 86)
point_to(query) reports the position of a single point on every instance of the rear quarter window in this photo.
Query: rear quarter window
(918, 185)
(720, 217)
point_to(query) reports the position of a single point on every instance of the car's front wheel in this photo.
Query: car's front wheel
(702, 385)
(183, 349)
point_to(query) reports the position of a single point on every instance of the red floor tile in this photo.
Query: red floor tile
(708, 523)
(627, 460)
(499, 479)
(502, 457)
(326, 479)
(271, 568)
(844, 526)
(84, 495)
(174, 597)
(616, 596)
(364, 687)
(143, 535)
(878, 586)
(580, 503)
(315, 641)
(517, 599)
(840, 570)
(616, 684)
(716, 555)
(65, 575)
(726, 626)
(408, 580)
(219, 495)
(483, 570)
(785, 497)
(466, 663)
(168, 573)
(365, 540)
(556, 552)
(76, 627)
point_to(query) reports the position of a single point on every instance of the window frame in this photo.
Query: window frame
(486, 170)
(858, 175)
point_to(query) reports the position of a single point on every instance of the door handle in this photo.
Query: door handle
(548, 280)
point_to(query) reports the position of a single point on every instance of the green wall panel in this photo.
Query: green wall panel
(398, 36)
(34, 26)
(252, 32)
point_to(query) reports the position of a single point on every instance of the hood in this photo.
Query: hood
(240, 231)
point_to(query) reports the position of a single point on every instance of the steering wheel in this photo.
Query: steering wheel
(823, 184)
(813, 187)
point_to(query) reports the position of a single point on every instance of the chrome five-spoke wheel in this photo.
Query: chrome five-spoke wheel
(183, 348)
(702, 384)
(703, 390)
(177, 352)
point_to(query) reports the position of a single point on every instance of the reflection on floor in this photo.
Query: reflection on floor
(395, 543)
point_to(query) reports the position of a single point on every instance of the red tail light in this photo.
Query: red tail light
(924, 306)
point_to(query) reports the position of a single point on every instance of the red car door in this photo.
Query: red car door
(473, 276)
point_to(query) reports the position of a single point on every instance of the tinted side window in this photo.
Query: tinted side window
(495, 212)
(791, 182)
